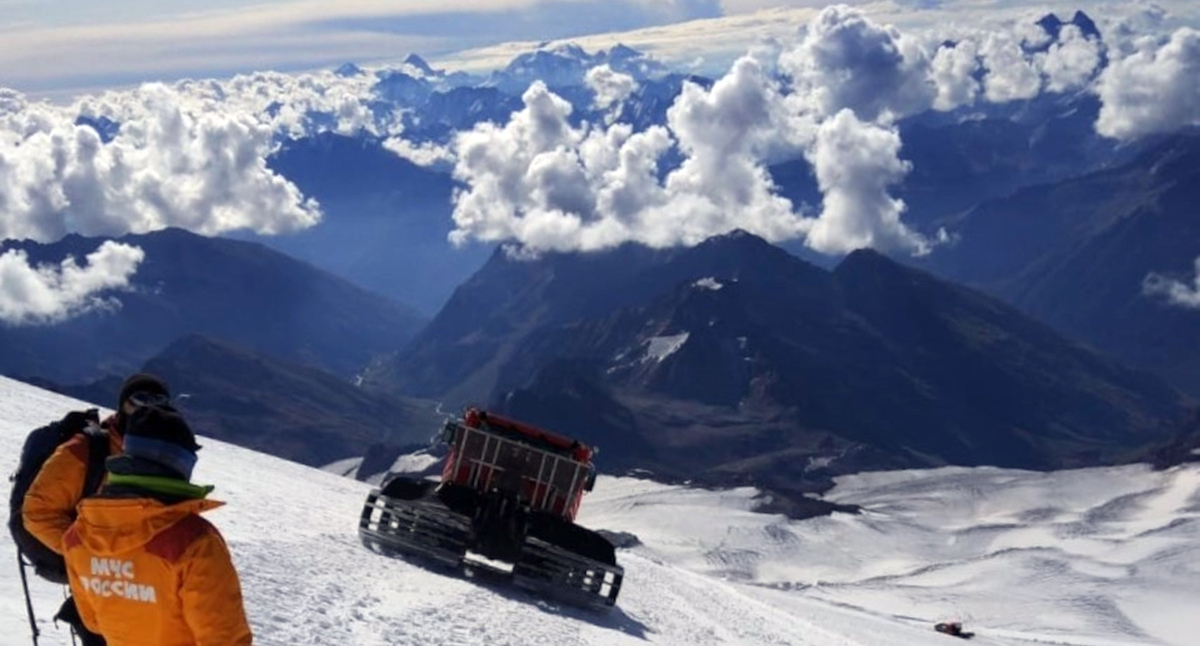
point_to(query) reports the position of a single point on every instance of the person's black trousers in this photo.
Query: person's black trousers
(69, 615)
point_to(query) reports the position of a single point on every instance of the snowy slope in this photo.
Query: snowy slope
(1101, 557)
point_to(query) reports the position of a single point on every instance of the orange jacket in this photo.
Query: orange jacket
(148, 574)
(49, 507)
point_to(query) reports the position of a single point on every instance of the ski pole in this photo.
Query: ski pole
(28, 604)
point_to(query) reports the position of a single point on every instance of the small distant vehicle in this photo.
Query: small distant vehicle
(953, 628)
(506, 506)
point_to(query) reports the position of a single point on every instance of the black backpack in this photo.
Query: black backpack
(39, 446)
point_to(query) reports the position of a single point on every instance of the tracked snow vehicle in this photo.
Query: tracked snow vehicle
(506, 505)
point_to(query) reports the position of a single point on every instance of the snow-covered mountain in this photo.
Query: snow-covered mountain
(1098, 557)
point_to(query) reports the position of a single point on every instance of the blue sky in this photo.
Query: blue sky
(74, 12)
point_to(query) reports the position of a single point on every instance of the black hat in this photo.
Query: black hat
(159, 434)
(142, 382)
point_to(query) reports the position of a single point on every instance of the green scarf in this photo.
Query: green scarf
(159, 484)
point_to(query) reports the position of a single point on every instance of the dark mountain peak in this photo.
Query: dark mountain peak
(106, 128)
(571, 50)
(735, 235)
(871, 280)
(402, 88)
(622, 52)
(1051, 23)
(869, 262)
(740, 243)
(864, 255)
(1085, 24)
(420, 63)
(347, 70)
(181, 245)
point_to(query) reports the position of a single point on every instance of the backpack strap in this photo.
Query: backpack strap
(97, 440)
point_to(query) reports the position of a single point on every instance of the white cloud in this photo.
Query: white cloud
(546, 185)
(953, 72)
(1154, 89)
(549, 186)
(49, 294)
(190, 155)
(855, 163)
(426, 154)
(1176, 292)
(726, 133)
(193, 154)
(291, 105)
(1140, 18)
(846, 61)
(611, 87)
(1070, 63)
(176, 161)
(1011, 75)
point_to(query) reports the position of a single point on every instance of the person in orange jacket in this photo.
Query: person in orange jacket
(50, 503)
(145, 568)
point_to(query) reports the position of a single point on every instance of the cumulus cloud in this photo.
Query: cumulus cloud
(832, 95)
(291, 105)
(50, 294)
(1070, 63)
(172, 163)
(1011, 74)
(611, 87)
(547, 185)
(856, 162)
(953, 71)
(1154, 89)
(1175, 291)
(1141, 19)
(726, 133)
(550, 186)
(846, 61)
(427, 153)
(190, 155)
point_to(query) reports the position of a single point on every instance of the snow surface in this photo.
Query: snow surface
(661, 347)
(1097, 557)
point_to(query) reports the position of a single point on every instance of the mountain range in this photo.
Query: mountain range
(401, 211)
(1077, 254)
(238, 291)
(275, 406)
(734, 358)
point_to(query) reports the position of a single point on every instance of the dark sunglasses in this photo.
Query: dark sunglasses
(144, 398)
